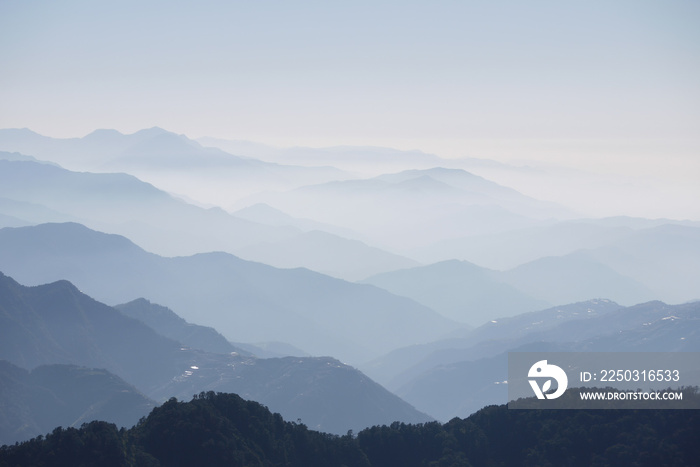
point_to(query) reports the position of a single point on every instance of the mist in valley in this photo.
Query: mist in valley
(351, 235)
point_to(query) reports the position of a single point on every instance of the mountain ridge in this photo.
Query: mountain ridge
(223, 429)
(34, 402)
(456, 382)
(57, 324)
(459, 290)
(317, 313)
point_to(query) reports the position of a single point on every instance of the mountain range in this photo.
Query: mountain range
(165, 322)
(459, 290)
(654, 260)
(57, 324)
(413, 208)
(401, 365)
(121, 203)
(171, 161)
(458, 378)
(245, 301)
(346, 227)
(33, 192)
(36, 402)
(224, 429)
(156, 267)
(364, 160)
(55, 321)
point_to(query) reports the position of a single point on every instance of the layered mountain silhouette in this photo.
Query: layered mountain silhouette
(32, 192)
(171, 161)
(245, 301)
(459, 290)
(458, 381)
(573, 278)
(165, 322)
(629, 267)
(496, 259)
(325, 248)
(326, 253)
(56, 323)
(506, 250)
(415, 207)
(401, 365)
(224, 429)
(626, 259)
(666, 258)
(123, 204)
(36, 402)
(107, 150)
(656, 262)
(366, 160)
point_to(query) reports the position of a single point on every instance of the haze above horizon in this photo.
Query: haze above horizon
(610, 88)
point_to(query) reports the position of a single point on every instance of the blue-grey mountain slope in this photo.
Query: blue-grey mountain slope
(474, 295)
(326, 253)
(460, 382)
(665, 258)
(503, 251)
(31, 192)
(245, 301)
(401, 365)
(16, 156)
(414, 208)
(166, 323)
(459, 290)
(172, 162)
(123, 204)
(576, 277)
(36, 402)
(56, 323)
(320, 247)
(506, 250)
(625, 259)
(11, 221)
(110, 149)
(21, 213)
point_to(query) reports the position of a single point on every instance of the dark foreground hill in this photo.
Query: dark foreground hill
(223, 429)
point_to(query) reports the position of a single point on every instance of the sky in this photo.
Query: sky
(599, 85)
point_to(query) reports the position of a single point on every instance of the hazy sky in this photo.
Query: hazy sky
(589, 82)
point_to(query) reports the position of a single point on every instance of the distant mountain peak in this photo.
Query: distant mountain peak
(443, 175)
(153, 131)
(102, 133)
(61, 284)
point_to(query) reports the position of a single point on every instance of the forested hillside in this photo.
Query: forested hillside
(223, 429)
